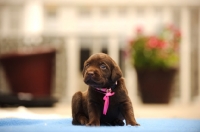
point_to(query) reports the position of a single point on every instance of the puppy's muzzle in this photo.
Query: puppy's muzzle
(90, 74)
(93, 78)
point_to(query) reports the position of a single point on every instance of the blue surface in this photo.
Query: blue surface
(64, 125)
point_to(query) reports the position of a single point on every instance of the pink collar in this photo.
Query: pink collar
(107, 92)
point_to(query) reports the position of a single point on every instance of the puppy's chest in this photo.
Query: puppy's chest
(115, 99)
(113, 111)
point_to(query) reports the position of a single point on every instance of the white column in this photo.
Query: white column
(185, 49)
(96, 46)
(5, 21)
(132, 22)
(131, 82)
(33, 17)
(150, 17)
(72, 55)
(199, 58)
(68, 20)
(167, 15)
(113, 48)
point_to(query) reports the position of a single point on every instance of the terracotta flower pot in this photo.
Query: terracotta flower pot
(155, 86)
(30, 71)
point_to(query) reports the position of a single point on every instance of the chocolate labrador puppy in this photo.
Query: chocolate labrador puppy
(106, 101)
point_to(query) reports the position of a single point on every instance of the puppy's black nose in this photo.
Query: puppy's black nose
(90, 73)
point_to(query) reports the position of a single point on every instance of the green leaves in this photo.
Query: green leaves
(158, 51)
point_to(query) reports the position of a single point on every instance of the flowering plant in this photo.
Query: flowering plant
(155, 52)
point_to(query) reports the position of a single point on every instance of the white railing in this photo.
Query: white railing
(69, 25)
(113, 48)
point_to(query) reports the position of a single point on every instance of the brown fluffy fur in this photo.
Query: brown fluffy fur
(100, 71)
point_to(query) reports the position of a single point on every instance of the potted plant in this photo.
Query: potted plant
(155, 59)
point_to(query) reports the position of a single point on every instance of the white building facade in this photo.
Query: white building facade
(97, 25)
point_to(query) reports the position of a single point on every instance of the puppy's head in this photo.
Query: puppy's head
(100, 70)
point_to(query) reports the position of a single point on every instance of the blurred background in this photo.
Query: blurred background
(72, 30)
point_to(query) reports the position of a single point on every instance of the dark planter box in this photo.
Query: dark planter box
(30, 71)
(155, 86)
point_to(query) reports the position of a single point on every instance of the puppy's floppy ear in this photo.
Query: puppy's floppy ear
(116, 73)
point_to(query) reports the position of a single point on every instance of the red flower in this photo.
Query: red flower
(162, 44)
(162, 48)
(170, 27)
(177, 33)
(139, 30)
(154, 42)
(175, 30)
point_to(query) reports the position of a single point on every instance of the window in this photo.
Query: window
(140, 12)
(104, 11)
(14, 18)
(50, 18)
(122, 11)
(51, 12)
(84, 12)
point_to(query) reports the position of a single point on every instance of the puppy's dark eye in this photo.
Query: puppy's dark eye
(103, 66)
(87, 65)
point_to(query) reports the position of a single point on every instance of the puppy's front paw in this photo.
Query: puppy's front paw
(136, 124)
(83, 120)
(118, 122)
(93, 123)
(132, 123)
